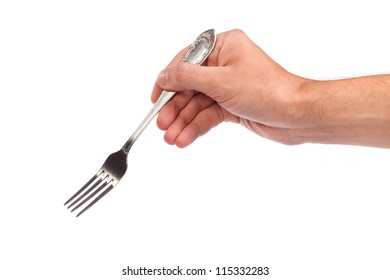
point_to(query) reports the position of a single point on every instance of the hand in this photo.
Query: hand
(240, 84)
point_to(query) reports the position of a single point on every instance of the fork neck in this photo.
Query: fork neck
(127, 146)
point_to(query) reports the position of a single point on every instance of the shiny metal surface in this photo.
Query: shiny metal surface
(115, 166)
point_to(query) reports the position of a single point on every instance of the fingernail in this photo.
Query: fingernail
(162, 78)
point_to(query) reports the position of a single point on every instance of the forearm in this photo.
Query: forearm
(350, 111)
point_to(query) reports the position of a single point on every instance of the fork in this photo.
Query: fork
(115, 166)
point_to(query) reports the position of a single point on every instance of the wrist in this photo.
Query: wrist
(347, 111)
(310, 112)
(333, 103)
(324, 104)
(304, 103)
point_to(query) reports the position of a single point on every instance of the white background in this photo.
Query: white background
(75, 81)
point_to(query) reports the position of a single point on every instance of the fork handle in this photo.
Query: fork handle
(162, 100)
(196, 54)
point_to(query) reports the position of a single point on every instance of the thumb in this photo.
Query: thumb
(187, 76)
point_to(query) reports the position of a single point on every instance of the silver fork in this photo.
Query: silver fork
(115, 166)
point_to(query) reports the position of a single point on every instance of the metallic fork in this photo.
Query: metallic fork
(115, 166)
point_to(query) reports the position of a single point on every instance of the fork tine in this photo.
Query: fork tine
(105, 183)
(98, 182)
(83, 188)
(96, 200)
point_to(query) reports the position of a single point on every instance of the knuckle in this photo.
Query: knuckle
(238, 32)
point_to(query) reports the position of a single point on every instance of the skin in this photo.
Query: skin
(242, 84)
